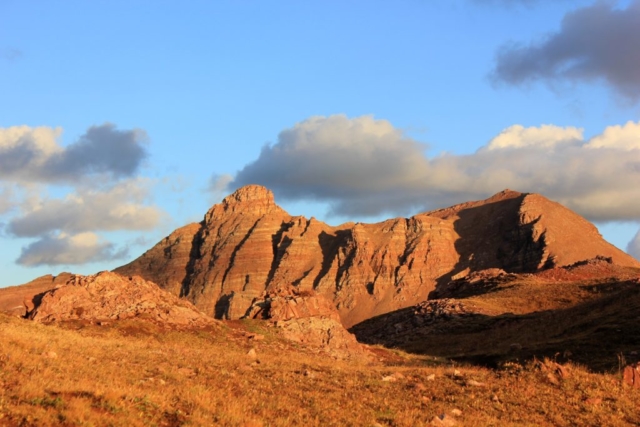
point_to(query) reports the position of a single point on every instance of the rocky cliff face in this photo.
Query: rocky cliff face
(247, 244)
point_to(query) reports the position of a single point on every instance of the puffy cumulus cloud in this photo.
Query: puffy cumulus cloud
(633, 248)
(101, 168)
(364, 166)
(595, 42)
(625, 137)
(545, 136)
(64, 249)
(338, 158)
(119, 208)
(34, 155)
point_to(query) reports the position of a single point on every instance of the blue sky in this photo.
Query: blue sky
(120, 121)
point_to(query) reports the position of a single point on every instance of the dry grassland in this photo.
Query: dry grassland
(137, 374)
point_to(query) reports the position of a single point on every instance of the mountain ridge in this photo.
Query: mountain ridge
(247, 244)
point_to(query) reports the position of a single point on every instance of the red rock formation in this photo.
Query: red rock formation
(108, 296)
(19, 300)
(247, 244)
(307, 318)
(168, 262)
(286, 304)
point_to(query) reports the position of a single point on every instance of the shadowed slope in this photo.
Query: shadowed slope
(585, 313)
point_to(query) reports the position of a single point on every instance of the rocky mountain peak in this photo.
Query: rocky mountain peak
(250, 194)
(504, 195)
(250, 199)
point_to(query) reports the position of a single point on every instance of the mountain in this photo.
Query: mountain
(247, 245)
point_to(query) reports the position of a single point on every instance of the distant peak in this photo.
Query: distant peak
(250, 193)
(247, 200)
(506, 194)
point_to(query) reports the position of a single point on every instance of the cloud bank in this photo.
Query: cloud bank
(599, 42)
(119, 208)
(32, 155)
(101, 167)
(66, 249)
(365, 167)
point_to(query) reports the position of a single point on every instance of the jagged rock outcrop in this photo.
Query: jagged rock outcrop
(19, 300)
(309, 319)
(289, 303)
(109, 296)
(247, 244)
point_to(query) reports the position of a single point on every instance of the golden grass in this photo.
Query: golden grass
(137, 374)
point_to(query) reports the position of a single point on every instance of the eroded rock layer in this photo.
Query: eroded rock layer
(247, 244)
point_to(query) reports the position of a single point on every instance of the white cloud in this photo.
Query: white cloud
(119, 208)
(64, 249)
(338, 158)
(31, 155)
(545, 136)
(633, 248)
(363, 166)
(105, 195)
(625, 137)
(595, 42)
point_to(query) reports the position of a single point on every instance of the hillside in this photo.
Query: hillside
(586, 313)
(132, 373)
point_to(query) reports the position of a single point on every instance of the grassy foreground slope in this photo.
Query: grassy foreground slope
(138, 374)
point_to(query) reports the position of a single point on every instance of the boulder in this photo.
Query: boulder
(309, 319)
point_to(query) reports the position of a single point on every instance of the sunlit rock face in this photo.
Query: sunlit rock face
(108, 296)
(247, 245)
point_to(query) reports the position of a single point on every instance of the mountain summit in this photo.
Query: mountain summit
(247, 245)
